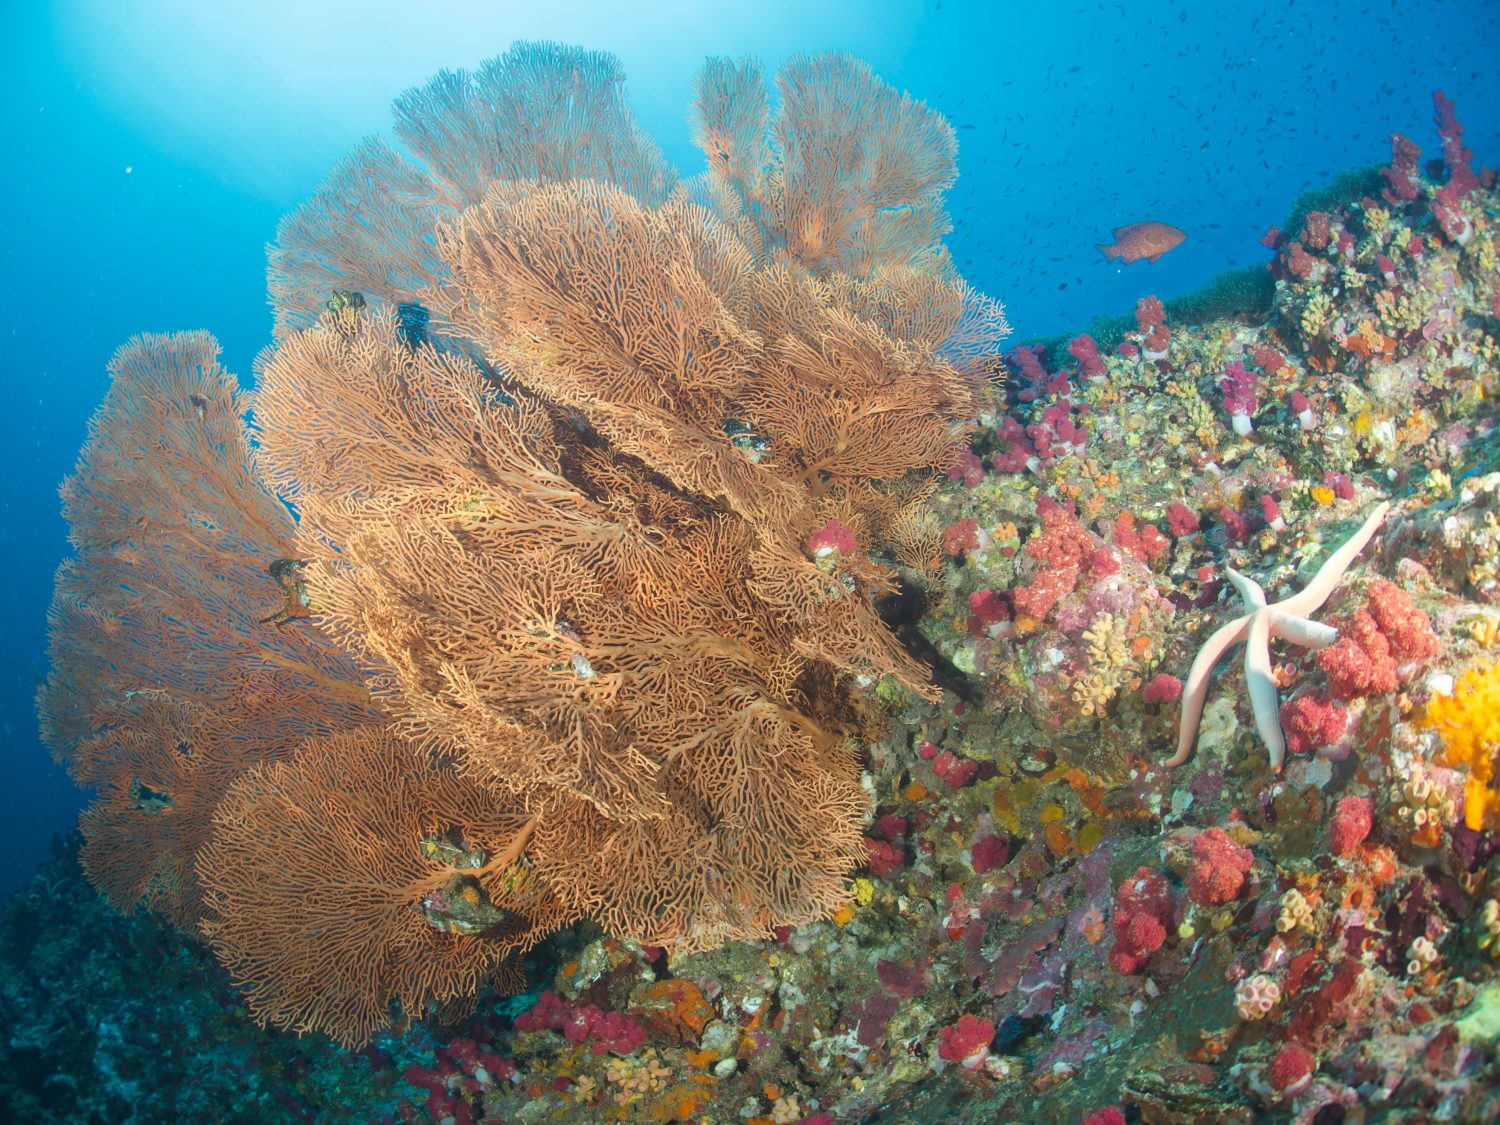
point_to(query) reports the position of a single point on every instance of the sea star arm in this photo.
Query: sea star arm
(1195, 691)
(1315, 593)
(1260, 682)
(1249, 589)
(1299, 630)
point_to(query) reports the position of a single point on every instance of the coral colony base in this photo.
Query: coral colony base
(673, 572)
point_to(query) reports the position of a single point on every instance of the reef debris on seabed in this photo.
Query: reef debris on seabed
(1053, 924)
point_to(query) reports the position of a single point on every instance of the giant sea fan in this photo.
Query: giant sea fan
(576, 599)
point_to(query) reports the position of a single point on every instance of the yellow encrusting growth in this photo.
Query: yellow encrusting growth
(1468, 721)
(863, 891)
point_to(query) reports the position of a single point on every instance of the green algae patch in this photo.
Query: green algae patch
(1482, 1023)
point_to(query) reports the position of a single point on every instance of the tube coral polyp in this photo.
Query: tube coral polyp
(1255, 996)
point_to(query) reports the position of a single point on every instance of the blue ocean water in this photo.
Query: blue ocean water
(150, 149)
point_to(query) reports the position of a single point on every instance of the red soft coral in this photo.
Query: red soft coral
(988, 853)
(1351, 823)
(1311, 721)
(1408, 629)
(832, 538)
(1145, 542)
(1035, 600)
(1163, 688)
(986, 608)
(1291, 1068)
(1143, 911)
(967, 1042)
(1390, 631)
(961, 536)
(883, 857)
(956, 771)
(1182, 521)
(1086, 352)
(1402, 176)
(1061, 546)
(1359, 663)
(1218, 869)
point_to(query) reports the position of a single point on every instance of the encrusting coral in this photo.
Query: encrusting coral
(586, 477)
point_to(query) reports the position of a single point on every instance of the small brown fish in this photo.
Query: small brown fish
(1142, 240)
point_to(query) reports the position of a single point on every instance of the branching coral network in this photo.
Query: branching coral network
(544, 585)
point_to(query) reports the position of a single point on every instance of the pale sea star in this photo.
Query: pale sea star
(1288, 620)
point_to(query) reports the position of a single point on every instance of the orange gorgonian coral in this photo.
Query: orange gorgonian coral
(359, 873)
(167, 680)
(548, 589)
